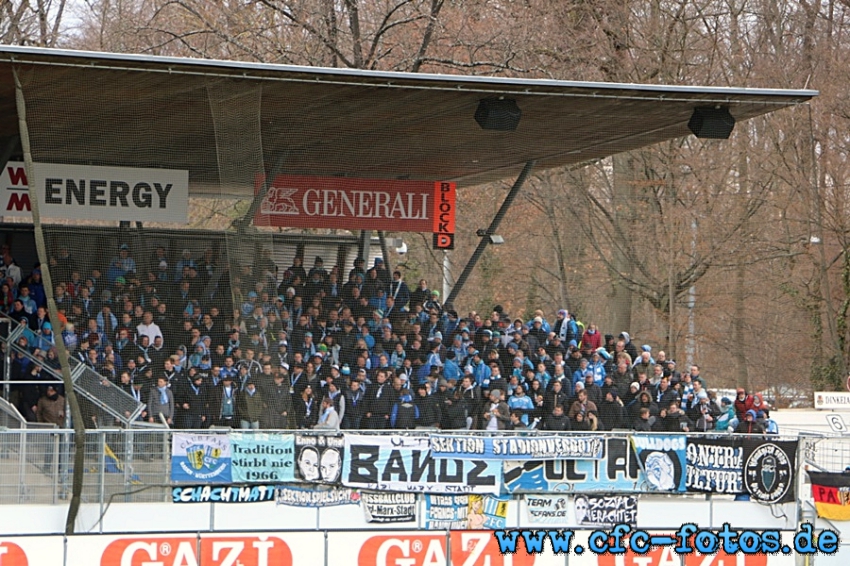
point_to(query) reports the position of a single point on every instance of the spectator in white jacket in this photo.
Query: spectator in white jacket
(329, 419)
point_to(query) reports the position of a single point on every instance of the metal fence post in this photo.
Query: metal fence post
(102, 476)
(166, 454)
(22, 464)
(128, 460)
(54, 472)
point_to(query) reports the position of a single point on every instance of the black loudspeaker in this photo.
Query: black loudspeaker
(711, 123)
(501, 114)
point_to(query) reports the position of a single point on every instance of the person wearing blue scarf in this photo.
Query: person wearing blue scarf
(161, 403)
(329, 419)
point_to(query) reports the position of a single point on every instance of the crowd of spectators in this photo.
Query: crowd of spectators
(308, 348)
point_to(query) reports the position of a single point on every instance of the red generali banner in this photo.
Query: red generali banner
(357, 204)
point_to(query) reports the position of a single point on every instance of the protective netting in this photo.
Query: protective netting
(258, 281)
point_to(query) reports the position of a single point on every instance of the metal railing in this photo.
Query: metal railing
(106, 398)
(121, 465)
(133, 465)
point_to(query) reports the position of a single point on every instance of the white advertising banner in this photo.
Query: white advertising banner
(428, 548)
(86, 192)
(351, 548)
(29, 551)
(665, 555)
(246, 549)
(832, 399)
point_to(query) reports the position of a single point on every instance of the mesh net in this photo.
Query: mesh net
(155, 294)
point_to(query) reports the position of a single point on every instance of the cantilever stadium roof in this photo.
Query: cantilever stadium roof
(333, 122)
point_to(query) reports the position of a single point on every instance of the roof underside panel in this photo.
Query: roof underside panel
(133, 111)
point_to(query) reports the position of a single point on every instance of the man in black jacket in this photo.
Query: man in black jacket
(674, 419)
(644, 421)
(557, 420)
(553, 398)
(278, 402)
(354, 406)
(455, 412)
(196, 396)
(380, 398)
(663, 394)
(189, 400)
(429, 407)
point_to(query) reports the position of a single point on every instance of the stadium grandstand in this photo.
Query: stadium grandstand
(303, 316)
(212, 238)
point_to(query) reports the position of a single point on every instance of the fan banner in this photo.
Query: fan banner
(319, 458)
(663, 459)
(380, 507)
(404, 463)
(465, 512)
(769, 470)
(200, 458)
(616, 471)
(831, 493)
(715, 465)
(517, 447)
(261, 457)
(223, 494)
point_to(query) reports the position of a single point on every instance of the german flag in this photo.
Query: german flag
(831, 493)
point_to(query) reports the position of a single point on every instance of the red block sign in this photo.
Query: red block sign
(445, 204)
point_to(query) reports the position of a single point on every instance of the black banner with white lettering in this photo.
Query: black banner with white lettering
(769, 470)
(318, 458)
(715, 465)
(314, 496)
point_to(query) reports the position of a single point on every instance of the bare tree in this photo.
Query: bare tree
(39, 23)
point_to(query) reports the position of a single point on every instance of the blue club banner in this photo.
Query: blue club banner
(405, 463)
(262, 457)
(616, 471)
(517, 447)
(663, 459)
(200, 458)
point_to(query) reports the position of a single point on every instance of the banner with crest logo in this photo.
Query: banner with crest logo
(200, 458)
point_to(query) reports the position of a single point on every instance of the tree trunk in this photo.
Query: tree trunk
(53, 313)
(624, 199)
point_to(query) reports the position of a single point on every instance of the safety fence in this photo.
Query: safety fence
(101, 401)
(298, 523)
(135, 465)
(36, 465)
